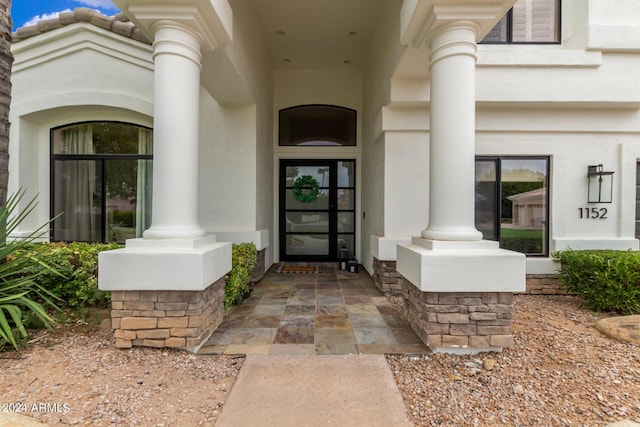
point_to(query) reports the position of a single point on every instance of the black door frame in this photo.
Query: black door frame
(332, 209)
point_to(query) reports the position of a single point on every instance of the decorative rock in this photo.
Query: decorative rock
(488, 364)
(624, 328)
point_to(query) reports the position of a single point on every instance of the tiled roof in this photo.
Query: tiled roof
(118, 24)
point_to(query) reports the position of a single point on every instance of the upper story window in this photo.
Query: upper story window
(529, 21)
(101, 181)
(317, 125)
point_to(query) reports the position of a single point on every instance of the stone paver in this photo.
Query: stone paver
(325, 312)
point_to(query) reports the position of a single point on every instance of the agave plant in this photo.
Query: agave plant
(19, 293)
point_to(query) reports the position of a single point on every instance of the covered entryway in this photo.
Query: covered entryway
(317, 209)
(321, 311)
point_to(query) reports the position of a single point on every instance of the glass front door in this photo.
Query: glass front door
(317, 210)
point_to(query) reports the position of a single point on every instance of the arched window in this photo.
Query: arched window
(101, 181)
(317, 125)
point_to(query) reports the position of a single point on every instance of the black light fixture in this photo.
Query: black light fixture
(600, 184)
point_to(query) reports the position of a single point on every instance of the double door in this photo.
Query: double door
(317, 209)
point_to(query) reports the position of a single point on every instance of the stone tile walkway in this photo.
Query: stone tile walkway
(328, 312)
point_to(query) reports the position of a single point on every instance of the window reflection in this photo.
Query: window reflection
(317, 125)
(102, 181)
(513, 190)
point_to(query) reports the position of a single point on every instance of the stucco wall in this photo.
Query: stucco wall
(71, 75)
(342, 87)
(227, 166)
(575, 102)
(250, 56)
(244, 151)
(383, 55)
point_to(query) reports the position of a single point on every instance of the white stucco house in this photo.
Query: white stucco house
(398, 132)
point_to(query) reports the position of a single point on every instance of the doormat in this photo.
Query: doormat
(297, 269)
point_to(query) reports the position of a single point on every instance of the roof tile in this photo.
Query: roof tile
(118, 24)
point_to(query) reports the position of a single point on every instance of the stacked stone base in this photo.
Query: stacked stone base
(176, 319)
(544, 284)
(259, 269)
(390, 282)
(460, 320)
(386, 277)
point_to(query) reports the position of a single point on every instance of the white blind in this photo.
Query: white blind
(534, 21)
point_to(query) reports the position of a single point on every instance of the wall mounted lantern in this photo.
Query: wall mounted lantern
(600, 185)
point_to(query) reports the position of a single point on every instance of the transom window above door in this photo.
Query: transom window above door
(317, 125)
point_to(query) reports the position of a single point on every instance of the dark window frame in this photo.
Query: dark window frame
(498, 202)
(99, 158)
(333, 209)
(509, 25)
(281, 124)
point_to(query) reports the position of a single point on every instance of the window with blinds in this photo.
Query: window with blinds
(529, 21)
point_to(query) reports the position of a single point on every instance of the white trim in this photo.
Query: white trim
(260, 238)
(461, 266)
(70, 39)
(536, 56)
(166, 265)
(384, 248)
(586, 243)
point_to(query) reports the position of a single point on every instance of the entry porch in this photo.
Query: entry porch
(326, 311)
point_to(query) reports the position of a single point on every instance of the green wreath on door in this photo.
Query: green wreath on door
(306, 189)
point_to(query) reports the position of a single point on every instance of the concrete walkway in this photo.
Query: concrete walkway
(314, 391)
(9, 419)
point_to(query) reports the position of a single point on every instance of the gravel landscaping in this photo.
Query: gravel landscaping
(85, 380)
(561, 372)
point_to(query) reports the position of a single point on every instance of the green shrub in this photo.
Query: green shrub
(78, 263)
(243, 261)
(22, 300)
(607, 280)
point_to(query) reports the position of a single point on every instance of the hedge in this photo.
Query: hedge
(77, 284)
(243, 261)
(607, 280)
(77, 264)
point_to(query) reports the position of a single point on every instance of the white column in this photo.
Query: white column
(452, 135)
(177, 59)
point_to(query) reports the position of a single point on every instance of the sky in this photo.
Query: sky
(28, 12)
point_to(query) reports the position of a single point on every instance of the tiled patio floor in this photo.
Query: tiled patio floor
(327, 312)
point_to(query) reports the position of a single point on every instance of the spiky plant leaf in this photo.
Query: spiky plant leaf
(19, 293)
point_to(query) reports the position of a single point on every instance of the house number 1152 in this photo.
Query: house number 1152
(593, 213)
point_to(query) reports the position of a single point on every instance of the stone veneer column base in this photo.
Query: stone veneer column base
(544, 284)
(260, 269)
(177, 319)
(386, 277)
(389, 281)
(460, 322)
